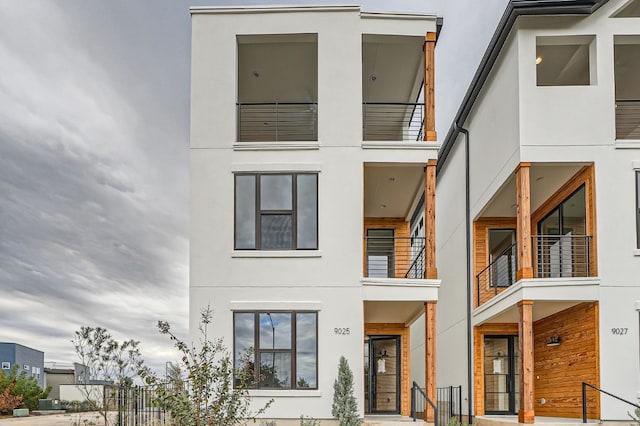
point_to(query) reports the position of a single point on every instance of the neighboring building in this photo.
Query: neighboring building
(30, 361)
(313, 199)
(552, 275)
(57, 374)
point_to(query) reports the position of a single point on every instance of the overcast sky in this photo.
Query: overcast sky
(94, 136)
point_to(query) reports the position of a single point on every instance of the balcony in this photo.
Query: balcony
(277, 121)
(393, 257)
(628, 119)
(392, 121)
(555, 256)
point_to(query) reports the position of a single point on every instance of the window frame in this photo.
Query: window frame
(259, 212)
(293, 350)
(6, 365)
(637, 175)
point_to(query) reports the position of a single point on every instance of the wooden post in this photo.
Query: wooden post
(430, 357)
(526, 414)
(429, 86)
(430, 270)
(523, 221)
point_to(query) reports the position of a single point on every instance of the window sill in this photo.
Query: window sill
(426, 146)
(627, 144)
(275, 146)
(275, 253)
(636, 252)
(275, 393)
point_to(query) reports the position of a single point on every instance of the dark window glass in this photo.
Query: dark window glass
(285, 345)
(284, 218)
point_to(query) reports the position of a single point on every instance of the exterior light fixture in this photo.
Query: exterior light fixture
(554, 340)
(382, 362)
(373, 77)
(538, 60)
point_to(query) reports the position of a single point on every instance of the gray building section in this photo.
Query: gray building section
(29, 360)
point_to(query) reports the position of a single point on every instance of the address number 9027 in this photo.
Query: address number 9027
(619, 331)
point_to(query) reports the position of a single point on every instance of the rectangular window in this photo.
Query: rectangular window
(565, 61)
(638, 207)
(283, 345)
(276, 211)
(26, 367)
(6, 365)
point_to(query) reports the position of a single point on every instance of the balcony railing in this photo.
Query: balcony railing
(555, 256)
(392, 121)
(394, 257)
(277, 121)
(628, 119)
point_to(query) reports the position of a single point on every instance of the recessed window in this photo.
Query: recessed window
(6, 365)
(565, 61)
(276, 211)
(630, 10)
(280, 349)
(627, 80)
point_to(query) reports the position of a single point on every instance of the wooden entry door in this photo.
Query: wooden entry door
(382, 379)
(501, 376)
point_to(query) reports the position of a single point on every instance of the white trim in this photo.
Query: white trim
(398, 15)
(296, 393)
(285, 305)
(627, 144)
(275, 146)
(284, 254)
(636, 252)
(271, 9)
(277, 167)
(637, 305)
(413, 282)
(399, 145)
(635, 164)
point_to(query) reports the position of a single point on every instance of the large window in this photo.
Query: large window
(283, 346)
(276, 211)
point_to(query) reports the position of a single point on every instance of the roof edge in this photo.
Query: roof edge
(514, 9)
(205, 10)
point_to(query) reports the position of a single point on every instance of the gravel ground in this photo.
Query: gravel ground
(57, 420)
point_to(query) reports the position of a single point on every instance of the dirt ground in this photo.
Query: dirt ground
(57, 420)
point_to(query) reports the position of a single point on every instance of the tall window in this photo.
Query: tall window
(276, 211)
(283, 346)
(638, 207)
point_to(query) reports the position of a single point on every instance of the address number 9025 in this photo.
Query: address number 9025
(342, 331)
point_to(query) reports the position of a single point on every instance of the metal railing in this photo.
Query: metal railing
(277, 121)
(449, 402)
(584, 399)
(561, 256)
(137, 406)
(628, 119)
(394, 257)
(392, 121)
(419, 401)
(500, 273)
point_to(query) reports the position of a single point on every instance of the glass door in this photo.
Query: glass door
(382, 380)
(501, 376)
(380, 253)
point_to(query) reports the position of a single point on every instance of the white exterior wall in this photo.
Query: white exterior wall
(329, 279)
(547, 125)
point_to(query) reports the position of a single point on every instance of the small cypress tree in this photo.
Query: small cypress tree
(344, 407)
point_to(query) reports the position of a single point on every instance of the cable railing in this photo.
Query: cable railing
(277, 121)
(419, 401)
(392, 121)
(394, 257)
(500, 273)
(562, 256)
(627, 119)
(584, 399)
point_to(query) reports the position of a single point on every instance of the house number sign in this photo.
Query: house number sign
(619, 331)
(342, 331)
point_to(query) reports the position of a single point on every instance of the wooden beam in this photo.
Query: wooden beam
(429, 86)
(430, 270)
(430, 356)
(526, 414)
(523, 221)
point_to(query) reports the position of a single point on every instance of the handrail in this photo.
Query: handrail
(416, 265)
(584, 399)
(495, 275)
(415, 388)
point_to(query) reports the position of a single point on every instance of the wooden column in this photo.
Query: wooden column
(430, 356)
(430, 270)
(429, 86)
(526, 413)
(523, 221)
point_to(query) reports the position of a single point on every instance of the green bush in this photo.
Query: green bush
(25, 386)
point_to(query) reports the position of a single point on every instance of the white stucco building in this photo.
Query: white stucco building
(312, 199)
(542, 272)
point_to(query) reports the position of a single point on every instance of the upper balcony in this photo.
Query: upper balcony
(277, 88)
(559, 241)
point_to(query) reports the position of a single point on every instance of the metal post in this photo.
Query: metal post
(413, 402)
(584, 402)
(276, 122)
(460, 403)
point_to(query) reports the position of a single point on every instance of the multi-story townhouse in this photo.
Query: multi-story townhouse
(30, 361)
(544, 153)
(313, 152)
